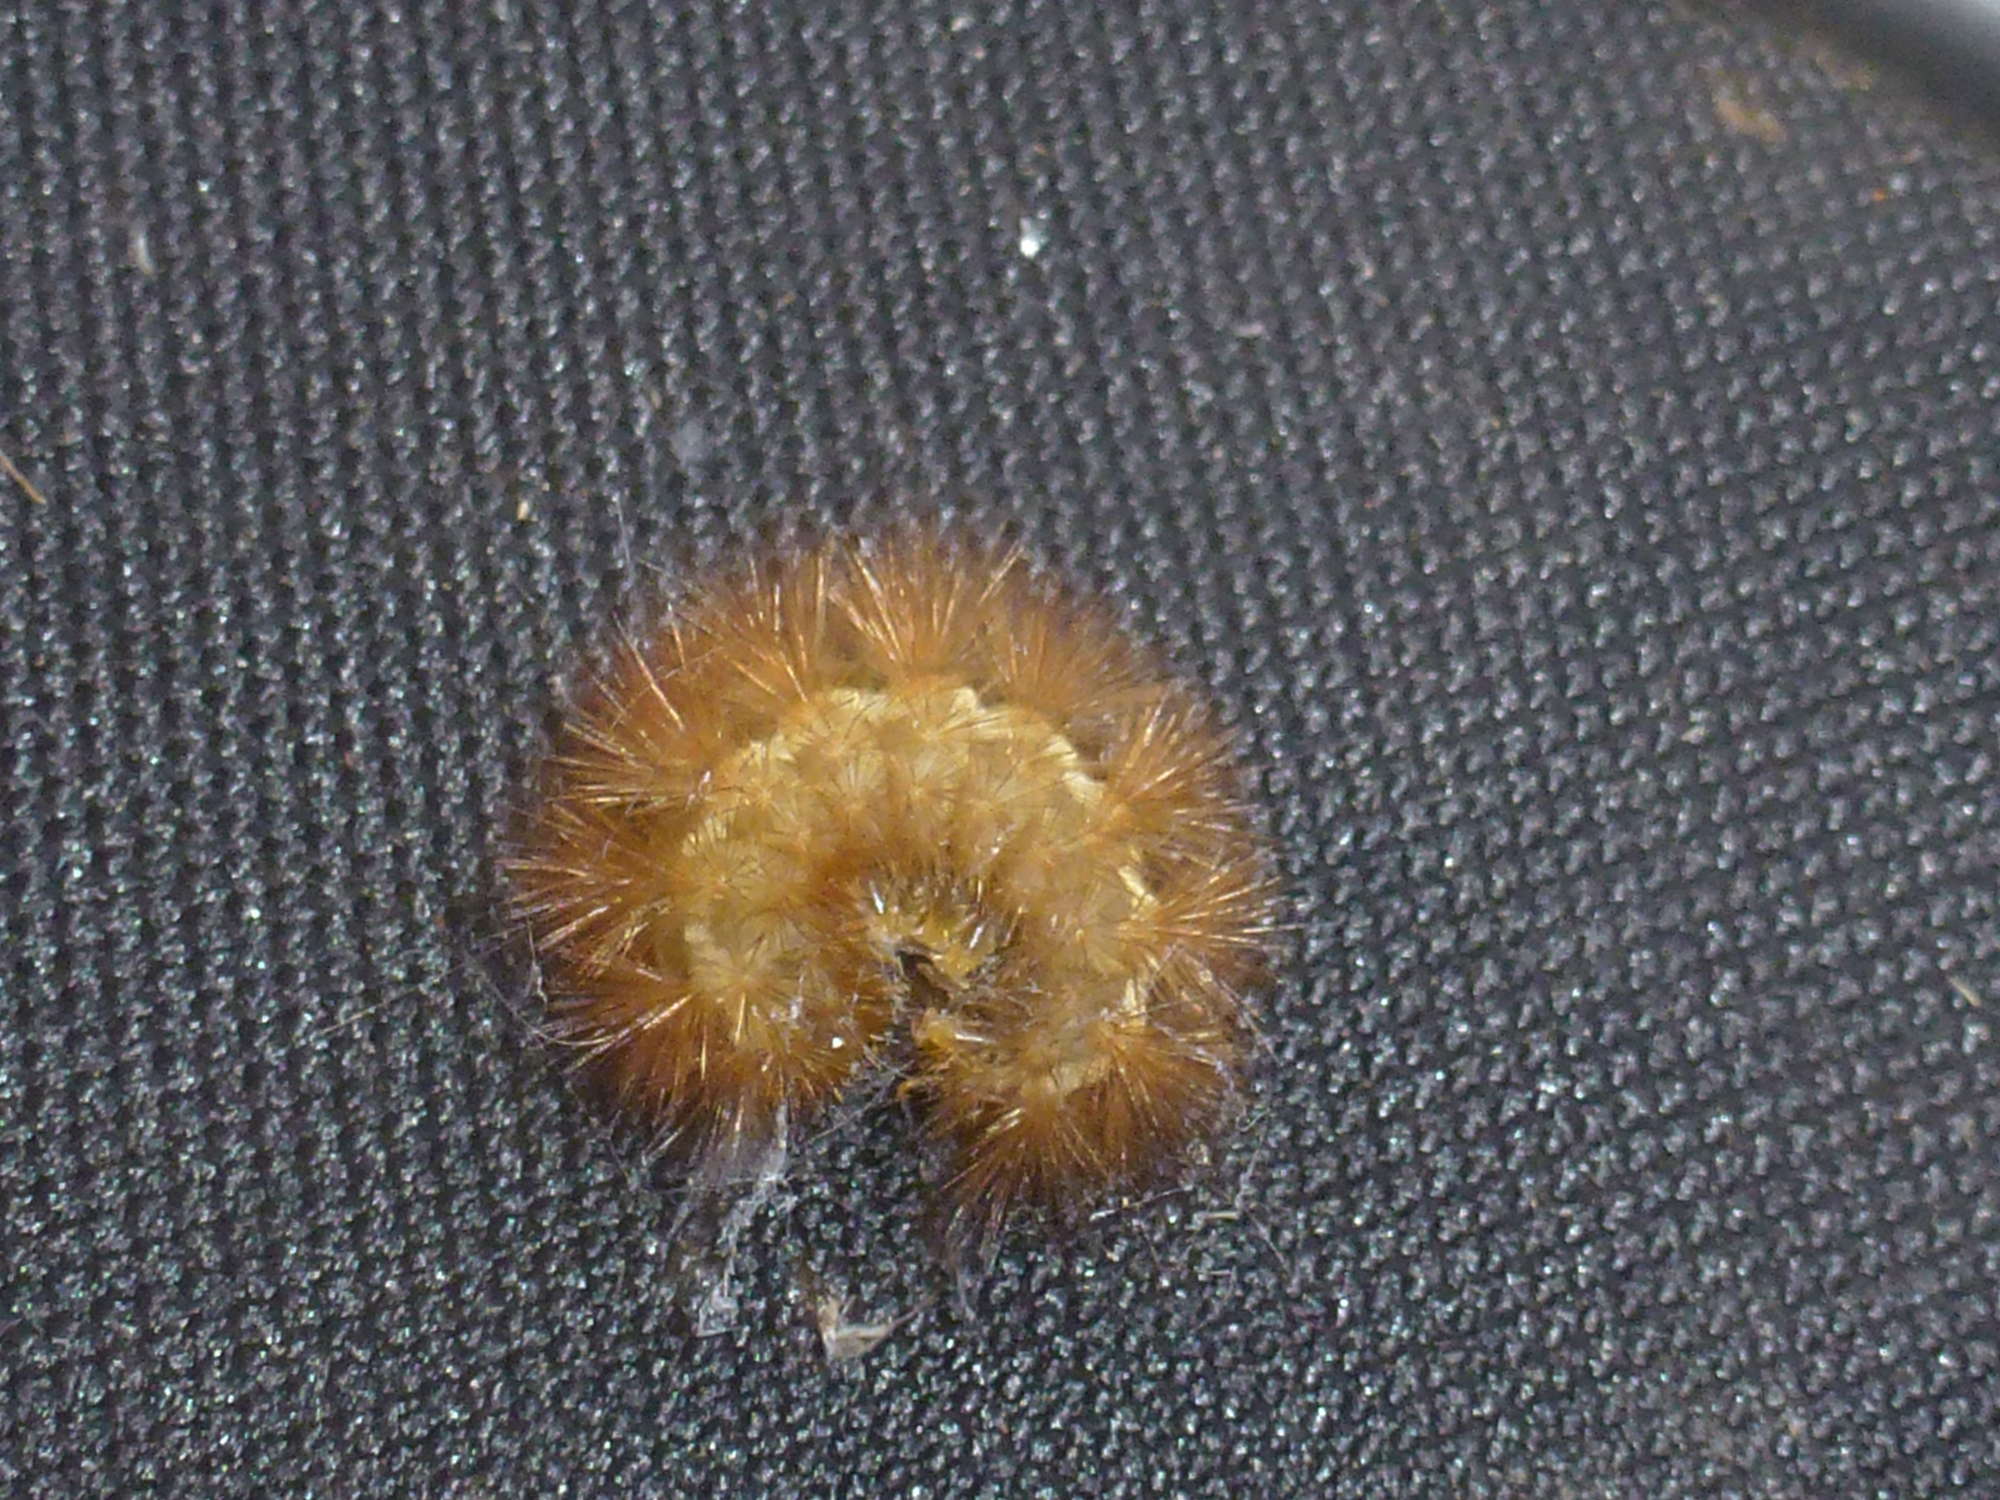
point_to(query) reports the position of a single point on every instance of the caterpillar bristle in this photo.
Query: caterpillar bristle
(902, 798)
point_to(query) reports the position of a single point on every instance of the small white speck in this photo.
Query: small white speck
(1034, 236)
(836, 1043)
(692, 442)
(141, 252)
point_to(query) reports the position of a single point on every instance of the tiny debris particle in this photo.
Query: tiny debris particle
(1740, 114)
(1965, 991)
(1034, 236)
(27, 485)
(141, 252)
(841, 1339)
(319, 1033)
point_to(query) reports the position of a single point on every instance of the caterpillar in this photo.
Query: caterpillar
(907, 807)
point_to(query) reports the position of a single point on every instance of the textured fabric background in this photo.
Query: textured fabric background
(1562, 433)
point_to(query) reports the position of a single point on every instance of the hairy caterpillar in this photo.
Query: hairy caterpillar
(901, 806)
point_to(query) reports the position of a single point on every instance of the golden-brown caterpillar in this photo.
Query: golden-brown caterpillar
(904, 805)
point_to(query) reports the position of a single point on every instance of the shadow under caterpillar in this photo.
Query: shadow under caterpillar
(901, 804)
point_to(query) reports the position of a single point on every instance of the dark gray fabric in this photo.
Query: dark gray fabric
(1563, 434)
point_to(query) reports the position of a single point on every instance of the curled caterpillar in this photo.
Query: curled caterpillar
(901, 807)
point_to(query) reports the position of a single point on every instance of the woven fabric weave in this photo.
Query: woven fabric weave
(1562, 436)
